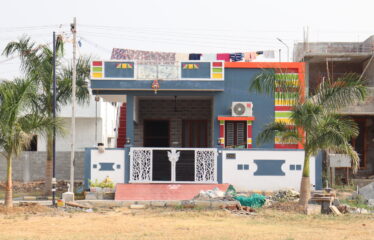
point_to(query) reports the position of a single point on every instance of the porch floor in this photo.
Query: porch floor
(162, 191)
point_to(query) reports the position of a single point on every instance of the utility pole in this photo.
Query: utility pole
(54, 127)
(73, 100)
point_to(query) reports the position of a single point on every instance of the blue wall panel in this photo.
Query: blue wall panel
(203, 70)
(116, 69)
(237, 82)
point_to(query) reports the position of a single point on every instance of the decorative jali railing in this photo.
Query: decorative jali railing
(149, 165)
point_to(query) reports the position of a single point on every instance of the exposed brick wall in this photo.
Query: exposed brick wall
(165, 109)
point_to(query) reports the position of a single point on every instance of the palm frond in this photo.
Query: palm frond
(65, 81)
(279, 84)
(305, 115)
(17, 124)
(344, 91)
(273, 129)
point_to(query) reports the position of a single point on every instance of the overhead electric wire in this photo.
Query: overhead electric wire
(196, 35)
(216, 29)
(176, 41)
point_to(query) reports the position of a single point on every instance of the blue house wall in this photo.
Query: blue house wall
(237, 83)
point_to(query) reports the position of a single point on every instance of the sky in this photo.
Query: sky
(190, 26)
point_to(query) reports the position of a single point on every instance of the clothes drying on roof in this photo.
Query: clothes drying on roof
(145, 57)
(223, 56)
(236, 57)
(209, 57)
(269, 54)
(180, 57)
(194, 56)
(250, 56)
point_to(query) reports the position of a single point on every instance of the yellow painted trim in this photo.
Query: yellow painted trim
(285, 102)
(284, 120)
(97, 75)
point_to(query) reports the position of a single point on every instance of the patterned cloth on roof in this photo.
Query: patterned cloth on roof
(143, 56)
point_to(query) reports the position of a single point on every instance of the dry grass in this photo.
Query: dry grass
(25, 209)
(191, 224)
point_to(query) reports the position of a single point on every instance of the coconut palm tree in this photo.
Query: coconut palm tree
(18, 123)
(316, 122)
(37, 65)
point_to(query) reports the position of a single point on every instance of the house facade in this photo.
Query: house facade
(196, 121)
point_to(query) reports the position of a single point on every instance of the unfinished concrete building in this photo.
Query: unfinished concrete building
(333, 59)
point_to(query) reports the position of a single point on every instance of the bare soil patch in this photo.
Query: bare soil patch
(155, 224)
(25, 208)
(290, 207)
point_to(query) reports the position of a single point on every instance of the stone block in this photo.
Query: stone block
(371, 202)
(158, 203)
(68, 197)
(368, 191)
(137, 206)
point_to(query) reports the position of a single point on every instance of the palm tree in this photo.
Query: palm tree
(316, 122)
(37, 65)
(18, 123)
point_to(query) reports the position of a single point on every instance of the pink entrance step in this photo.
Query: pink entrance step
(155, 191)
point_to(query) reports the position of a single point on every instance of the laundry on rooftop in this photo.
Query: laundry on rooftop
(171, 57)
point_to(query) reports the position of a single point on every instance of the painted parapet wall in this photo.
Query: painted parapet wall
(110, 163)
(267, 170)
(278, 169)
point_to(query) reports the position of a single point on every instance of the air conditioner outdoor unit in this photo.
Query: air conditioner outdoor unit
(241, 109)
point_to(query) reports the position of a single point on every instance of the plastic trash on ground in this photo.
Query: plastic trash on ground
(254, 201)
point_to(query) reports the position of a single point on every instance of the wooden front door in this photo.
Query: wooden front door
(195, 133)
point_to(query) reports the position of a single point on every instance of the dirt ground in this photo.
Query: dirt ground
(129, 224)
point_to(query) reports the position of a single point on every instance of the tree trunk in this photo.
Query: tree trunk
(305, 183)
(49, 165)
(9, 184)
